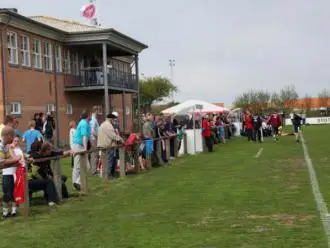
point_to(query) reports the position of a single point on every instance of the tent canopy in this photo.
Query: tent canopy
(189, 107)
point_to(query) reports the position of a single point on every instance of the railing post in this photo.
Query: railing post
(105, 167)
(185, 144)
(83, 173)
(176, 146)
(159, 152)
(135, 151)
(26, 203)
(122, 162)
(167, 148)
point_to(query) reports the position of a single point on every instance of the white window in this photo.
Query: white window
(75, 63)
(37, 54)
(12, 48)
(127, 110)
(25, 51)
(15, 108)
(47, 51)
(51, 108)
(69, 109)
(67, 61)
(58, 58)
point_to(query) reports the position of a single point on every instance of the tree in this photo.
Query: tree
(288, 96)
(256, 101)
(155, 89)
(324, 97)
(159, 108)
(307, 103)
(275, 101)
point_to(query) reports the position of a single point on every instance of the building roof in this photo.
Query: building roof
(66, 25)
(312, 102)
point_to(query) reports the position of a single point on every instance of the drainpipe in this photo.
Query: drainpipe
(4, 67)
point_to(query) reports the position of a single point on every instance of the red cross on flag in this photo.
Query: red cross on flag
(88, 10)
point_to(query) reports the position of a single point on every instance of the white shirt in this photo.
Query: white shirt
(291, 116)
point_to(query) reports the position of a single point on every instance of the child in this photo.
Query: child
(8, 184)
(73, 126)
(180, 135)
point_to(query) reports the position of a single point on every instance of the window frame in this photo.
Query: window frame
(50, 108)
(69, 109)
(67, 61)
(25, 51)
(14, 49)
(47, 55)
(37, 54)
(19, 108)
(58, 58)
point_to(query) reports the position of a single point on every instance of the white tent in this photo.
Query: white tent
(189, 107)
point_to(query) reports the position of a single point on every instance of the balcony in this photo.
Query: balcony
(92, 79)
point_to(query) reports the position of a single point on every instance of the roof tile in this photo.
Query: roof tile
(66, 25)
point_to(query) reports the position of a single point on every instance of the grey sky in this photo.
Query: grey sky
(221, 47)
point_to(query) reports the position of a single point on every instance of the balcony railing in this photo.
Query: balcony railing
(89, 77)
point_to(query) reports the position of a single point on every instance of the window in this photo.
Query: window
(12, 48)
(127, 110)
(37, 54)
(25, 51)
(51, 108)
(69, 109)
(67, 61)
(48, 56)
(58, 58)
(75, 63)
(15, 108)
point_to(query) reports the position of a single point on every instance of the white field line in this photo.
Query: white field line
(321, 205)
(259, 153)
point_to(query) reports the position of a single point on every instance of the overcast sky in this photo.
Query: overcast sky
(221, 47)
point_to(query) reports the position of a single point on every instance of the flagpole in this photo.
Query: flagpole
(94, 20)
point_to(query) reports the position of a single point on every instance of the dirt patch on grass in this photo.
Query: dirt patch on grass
(283, 219)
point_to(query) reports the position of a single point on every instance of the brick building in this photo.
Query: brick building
(47, 62)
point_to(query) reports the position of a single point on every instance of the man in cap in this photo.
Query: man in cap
(108, 138)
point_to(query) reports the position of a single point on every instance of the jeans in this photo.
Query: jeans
(47, 185)
(112, 162)
(249, 133)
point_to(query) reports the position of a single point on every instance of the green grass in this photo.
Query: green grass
(225, 199)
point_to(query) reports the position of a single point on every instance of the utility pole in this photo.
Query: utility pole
(172, 65)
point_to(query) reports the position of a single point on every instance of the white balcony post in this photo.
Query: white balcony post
(105, 80)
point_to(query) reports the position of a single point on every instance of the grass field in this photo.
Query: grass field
(225, 199)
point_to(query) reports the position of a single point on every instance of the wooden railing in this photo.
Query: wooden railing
(122, 162)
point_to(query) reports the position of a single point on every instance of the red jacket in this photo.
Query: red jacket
(248, 122)
(206, 128)
(275, 121)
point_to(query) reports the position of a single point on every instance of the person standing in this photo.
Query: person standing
(108, 139)
(8, 184)
(80, 142)
(297, 127)
(206, 133)
(31, 135)
(257, 128)
(275, 122)
(94, 126)
(248, 125)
